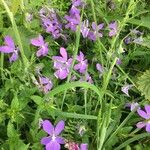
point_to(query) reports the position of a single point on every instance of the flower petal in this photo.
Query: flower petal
(37, 41)
(9, 42)
(13, 57)
(61, 74)
(142, 113)
(140, 124)
(147, 108)
(60, 140)
(45, 140)
(53, 145)
(148, 127)
(83, 147)
(59, 127)
(6, 49)
(48, 127)
(63, 53)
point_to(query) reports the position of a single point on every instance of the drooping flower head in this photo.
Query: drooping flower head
(53, 141)
(43, 47)
(113, 28)
(95, 31)
(146, 115)
(62, 64)
(125, 89)
(82, 63)
(10, 48)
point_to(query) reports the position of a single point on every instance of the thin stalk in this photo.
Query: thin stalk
(18, 38)
(74, 58)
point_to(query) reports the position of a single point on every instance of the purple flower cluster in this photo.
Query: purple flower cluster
(50, 22)
(10, 48)
(53, 141)
(73, 19)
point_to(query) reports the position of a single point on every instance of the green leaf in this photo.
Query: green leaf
(135, 138)
(71, 85)
(144, 84)
(37, 99)
(10, 130)
(145, 22)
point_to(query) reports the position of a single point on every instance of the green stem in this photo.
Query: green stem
(18, 38)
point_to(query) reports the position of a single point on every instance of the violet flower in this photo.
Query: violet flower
(118, 62)
(45, 84)
(10, 48)
(82, 63)
(73, 19)
(43, 47)
(146, 115)
(62, 64)
(53, 141)
(50, 22)
(96, 31)
(125, 89)
(113, 28)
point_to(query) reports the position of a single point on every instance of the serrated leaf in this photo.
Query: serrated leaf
(10, 130)
(144, 84)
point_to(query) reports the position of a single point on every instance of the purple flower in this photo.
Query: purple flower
(45, 84)
(43, 47)
(99, 67)
(74, 16)
(125, 89)
(128, 40)
(73, 21)
(10, 48)
(62, 64)
(113, 29)
(82, 65)
(96, 28)
(119, 62)
(50, 22)
(146, 115)
(84, 28)
(53, 141)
